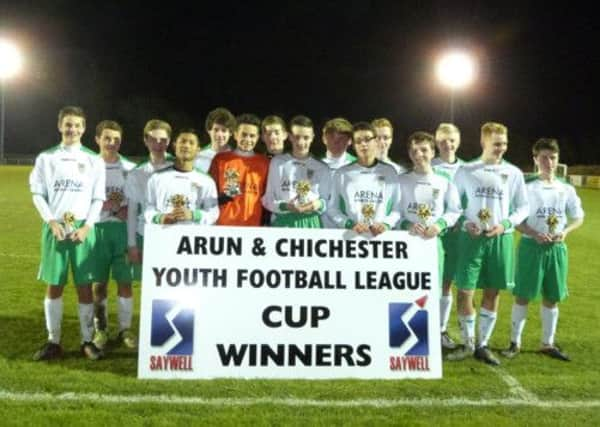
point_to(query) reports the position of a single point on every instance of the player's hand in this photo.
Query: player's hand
(473, 229)
(543, 238)
(432, 231)
(107, 205)
(182, 214)
(360, 227)
(417, 229)
(57, 230)
(496, 230)
(122, 214)
(309, 207)
(168, 219)
(80, 234)
(134, 255)
(377, 228)
(559, 237)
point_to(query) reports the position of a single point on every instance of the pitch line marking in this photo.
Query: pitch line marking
(293, 402)
(514, 386)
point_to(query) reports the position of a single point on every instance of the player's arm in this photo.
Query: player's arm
(392, 209)
(452, 212)
(574, 213)
(270, 199)
(520, 208)
(208, 211)
(337, 209)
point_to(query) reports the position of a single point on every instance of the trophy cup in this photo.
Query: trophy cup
(368, 213)
(484, 215)
(178, 200)
(115, 197)
(302, 190)
(69, 222)
(424, 213)
(232, 182)
(552, 223)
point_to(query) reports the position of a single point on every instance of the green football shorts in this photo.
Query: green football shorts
(57, 255)
(110, 252)
(485, 262)
(542, 269)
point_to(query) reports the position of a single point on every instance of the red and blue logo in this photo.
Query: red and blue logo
(172, 327)
(409, 327)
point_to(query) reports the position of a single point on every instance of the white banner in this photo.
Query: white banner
(249, 302)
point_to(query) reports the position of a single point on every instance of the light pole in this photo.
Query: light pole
(10, 64)
(455, 70)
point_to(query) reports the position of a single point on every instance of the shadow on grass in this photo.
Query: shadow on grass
(21, 337)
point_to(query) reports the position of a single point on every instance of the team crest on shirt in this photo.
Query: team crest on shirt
(380, 178)
(81, 167)
(504, 177)
(310, 173)
(435, 192)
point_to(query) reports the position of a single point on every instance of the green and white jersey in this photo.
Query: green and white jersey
(194, 190)
(429, 199)
(285, 172)
(204, 158)
(448, 168)
(365, 194)
(495, 192)
(136, 184)
(69, 178)
(337, 162)
(551, 204)
(116, 173)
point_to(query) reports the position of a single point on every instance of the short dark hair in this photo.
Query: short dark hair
(188, 130)
(545, 144)
(221, 116)
(247, 119)
(419, 137)
(301, 121)
(108, 124)
(338, 124)
(71, 110)
(362, 126)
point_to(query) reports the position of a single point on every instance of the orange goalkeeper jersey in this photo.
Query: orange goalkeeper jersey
(249, 173)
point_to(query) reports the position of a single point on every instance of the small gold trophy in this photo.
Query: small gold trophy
(302, 190)
(424, 213)
(368, 213)
(232, 182)
(484, 215)
(69, 221)
(552, 223)
(115, 197)
(178, 200)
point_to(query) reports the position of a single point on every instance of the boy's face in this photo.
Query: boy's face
(494, 145)
(274, 136)
(383, 137)
(301, 137)
(336, 142)
(109, 142)
(246, 136)
(186, 147)
(219, 134)
(365, 144)
(546, 161)
(71, 128)
(157, 141)
(421, 153)
(447, 143)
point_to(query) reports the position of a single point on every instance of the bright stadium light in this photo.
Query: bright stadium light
(455, 70)
(11, 62)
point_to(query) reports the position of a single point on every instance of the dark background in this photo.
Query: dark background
(136, 60)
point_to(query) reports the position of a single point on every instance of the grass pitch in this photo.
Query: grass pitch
(531, 389)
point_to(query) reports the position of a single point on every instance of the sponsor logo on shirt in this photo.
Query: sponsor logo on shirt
(68, 184)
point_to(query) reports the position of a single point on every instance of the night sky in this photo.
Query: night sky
(538, 67)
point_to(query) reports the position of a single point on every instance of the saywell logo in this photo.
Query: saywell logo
(409, 335)
(172, 327)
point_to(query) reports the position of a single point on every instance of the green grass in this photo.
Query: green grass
(22, 331)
